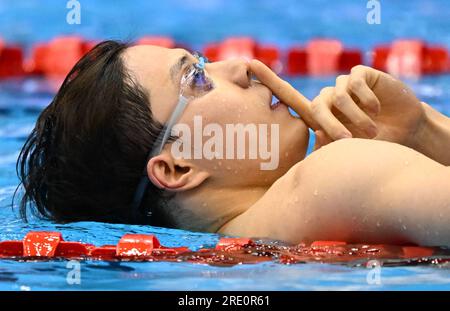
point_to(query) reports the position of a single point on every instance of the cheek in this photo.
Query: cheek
(221, 109)
(294, 141)
(291, 139)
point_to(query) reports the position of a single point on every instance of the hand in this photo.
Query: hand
(367, 103)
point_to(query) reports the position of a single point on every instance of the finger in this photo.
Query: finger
(322, 139)
(319, 139)
(344, 103)
(321, 111)
(357, 84)
(284, 91)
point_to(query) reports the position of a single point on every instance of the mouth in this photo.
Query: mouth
(273, 101)
(276, 103)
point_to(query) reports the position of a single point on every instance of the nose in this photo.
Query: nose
(236, 71)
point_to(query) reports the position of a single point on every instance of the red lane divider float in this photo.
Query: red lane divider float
(405, 58)
(296, 61)
(11, 60)
(411, 58)
(56, 58)
(247, 48)
(228, 251)
(322, 57)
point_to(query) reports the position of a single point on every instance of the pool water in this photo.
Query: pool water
(22, 100)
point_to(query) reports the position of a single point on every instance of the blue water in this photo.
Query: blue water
(280, 22)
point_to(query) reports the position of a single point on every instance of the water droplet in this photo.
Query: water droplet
(235, 171)
(405, 91)
(316, 192)
(378, 224)
(228, 168)
(286, 154)
(404, 227)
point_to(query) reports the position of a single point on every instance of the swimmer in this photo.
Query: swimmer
(100, 152)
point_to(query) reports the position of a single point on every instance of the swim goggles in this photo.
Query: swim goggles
(194, 84)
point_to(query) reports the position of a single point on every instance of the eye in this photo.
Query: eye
(201, 81)
(196, 82)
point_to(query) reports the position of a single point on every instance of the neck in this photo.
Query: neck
(214, 207)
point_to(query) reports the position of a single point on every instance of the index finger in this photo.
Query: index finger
(284, 91)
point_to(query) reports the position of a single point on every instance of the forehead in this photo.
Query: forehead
(147, 62)
(150, 66)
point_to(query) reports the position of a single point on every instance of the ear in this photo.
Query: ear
(172, 174)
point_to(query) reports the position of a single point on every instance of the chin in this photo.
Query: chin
(294, 145)
(301, 136)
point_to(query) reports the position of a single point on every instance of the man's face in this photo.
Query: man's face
(235, 98)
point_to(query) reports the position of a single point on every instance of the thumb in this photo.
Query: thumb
(322, 139)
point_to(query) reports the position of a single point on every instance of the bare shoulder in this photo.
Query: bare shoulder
(329, 190)
(356, 159)
(362, 153)
(349, 170)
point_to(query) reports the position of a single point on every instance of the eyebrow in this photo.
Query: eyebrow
(176, 68)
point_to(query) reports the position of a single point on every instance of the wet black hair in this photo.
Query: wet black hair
(86, 154)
